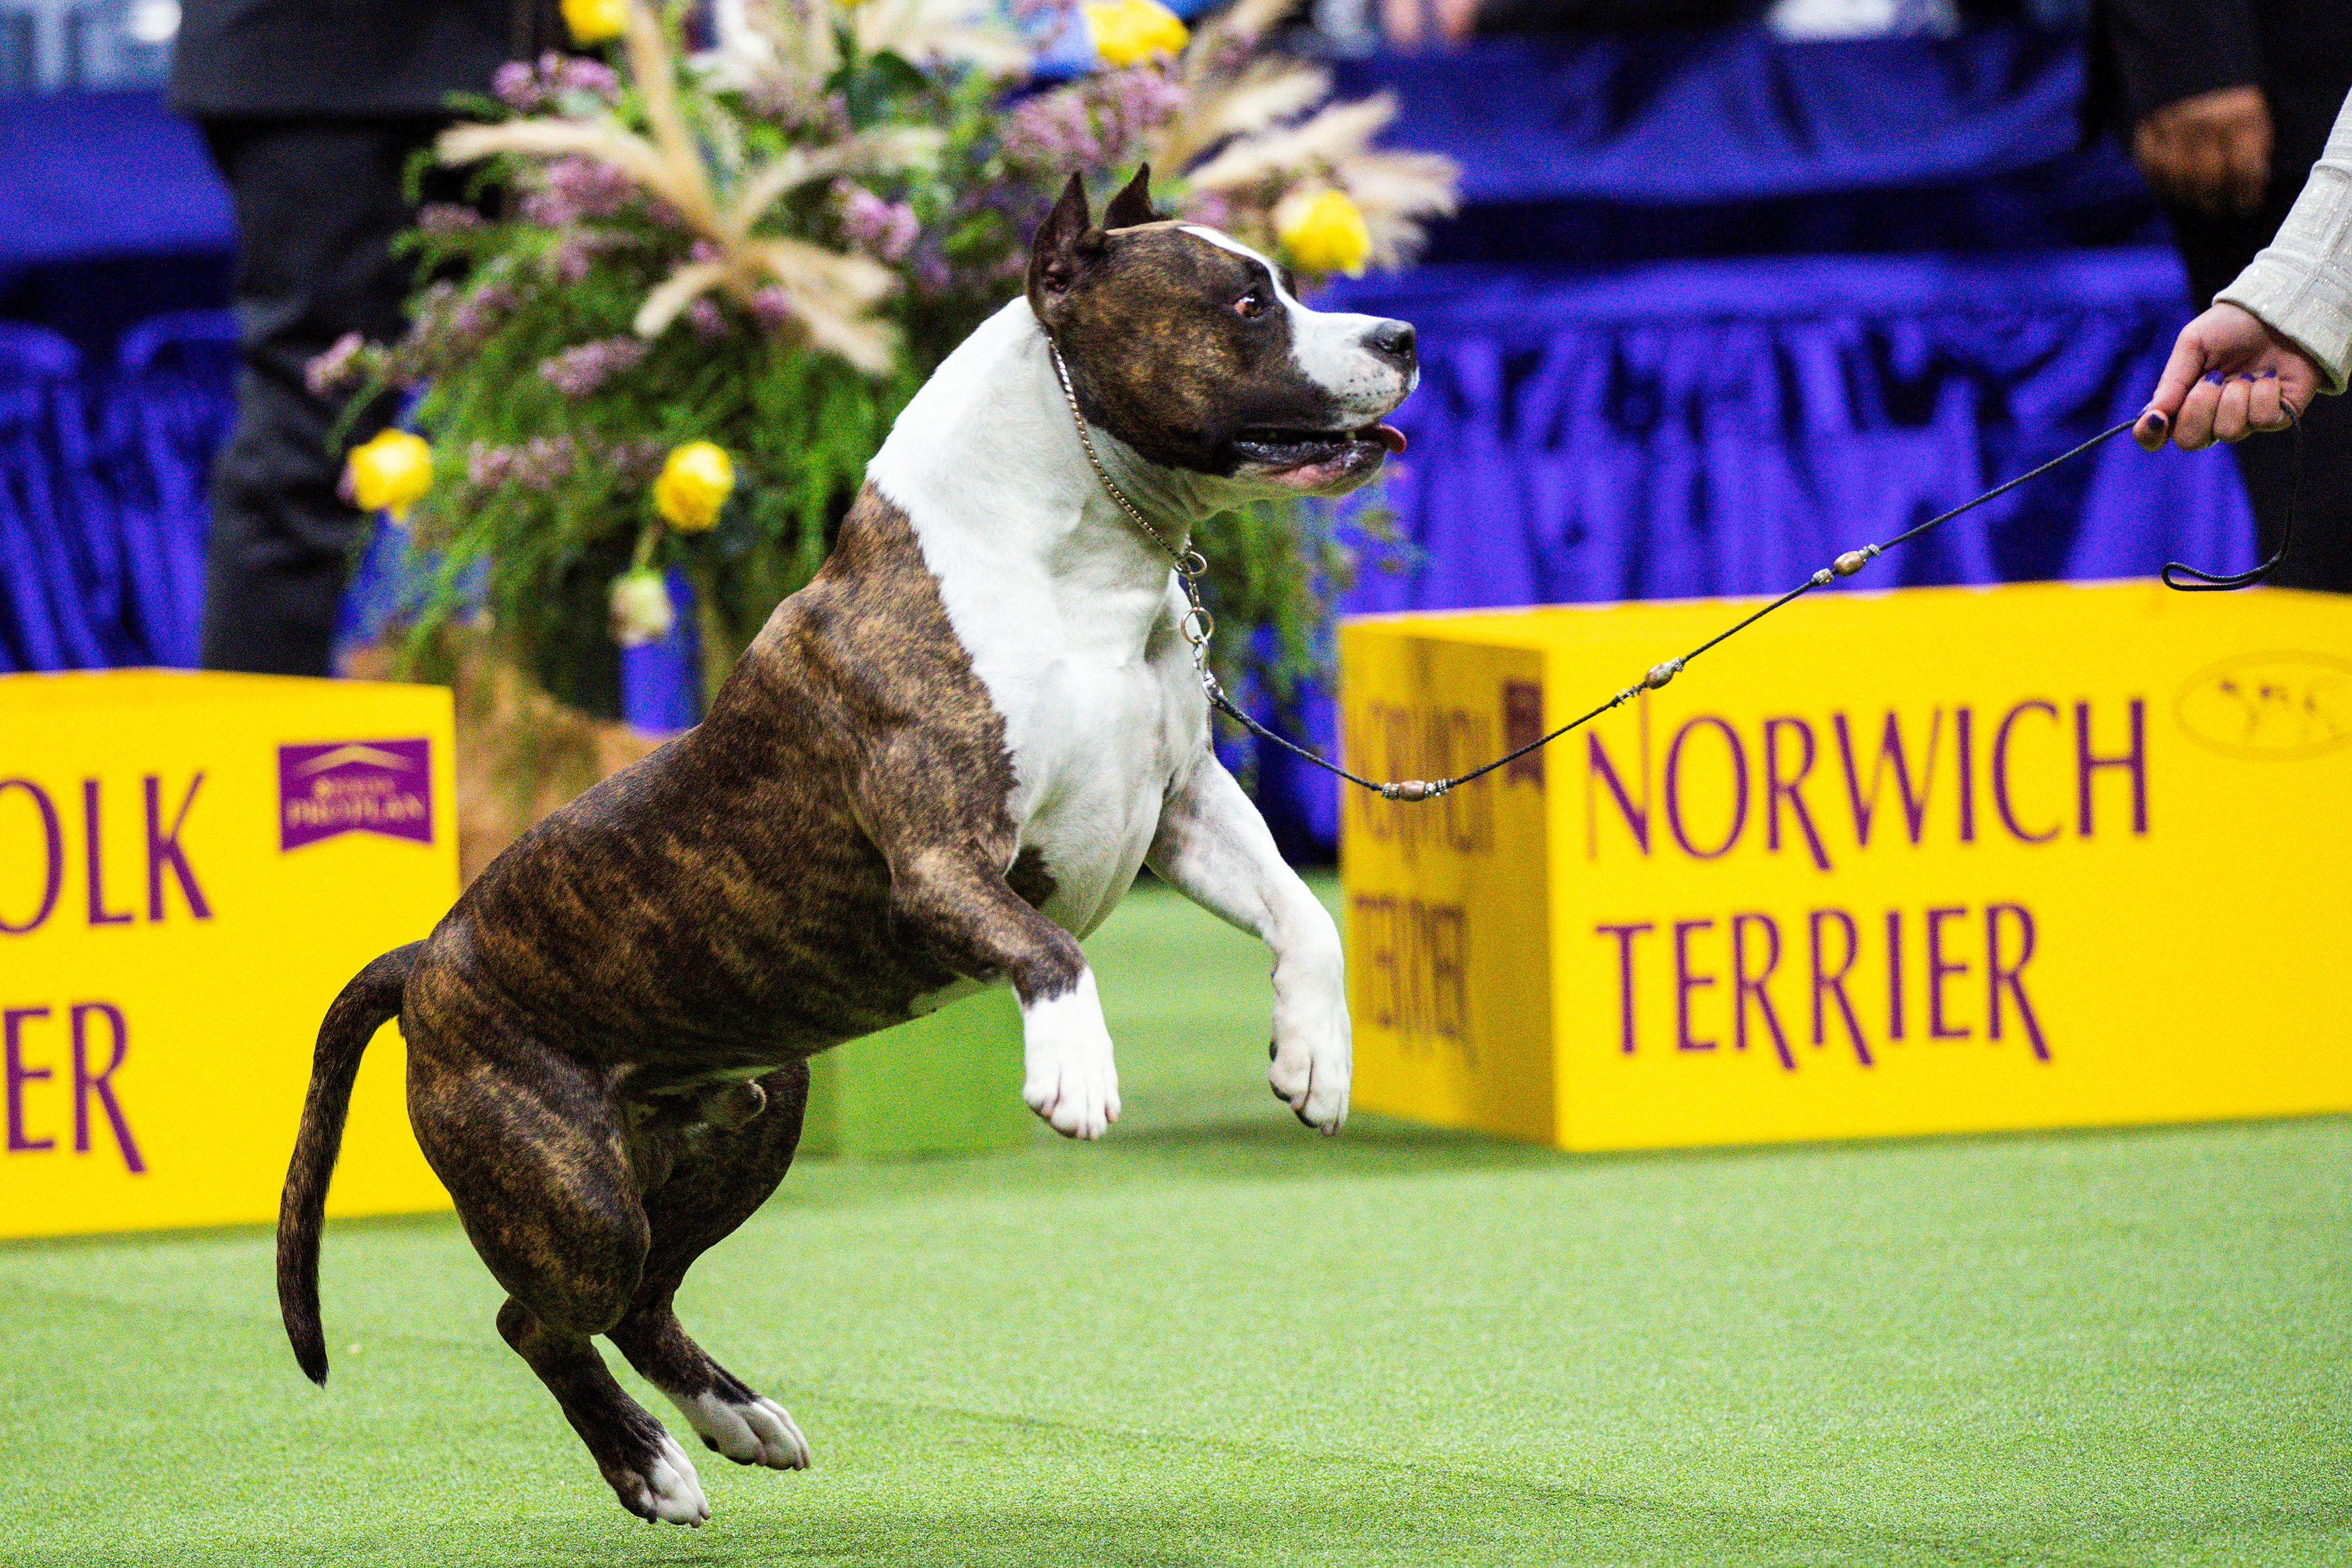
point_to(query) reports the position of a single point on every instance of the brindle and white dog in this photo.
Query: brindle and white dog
(939, 765)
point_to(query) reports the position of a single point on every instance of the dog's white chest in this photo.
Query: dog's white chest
(1097, 731)
(1066, 609)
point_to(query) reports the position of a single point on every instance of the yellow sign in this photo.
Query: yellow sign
(1930, 861)
(191, 867)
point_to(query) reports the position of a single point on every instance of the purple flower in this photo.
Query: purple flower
(1138, 100)
(476, 316)
(884, 230)
(539, 464)
(706, 319)
(488, 466)
(517, 85)
(532, 88)
(331, 369)
(1093, 122)
(576, 372)
(790, 100)
(640, 460)
(1053, 128)
(444, 218)
(575, 254)
(546, 461)
(593, 78)
(571, 189)
(773, 307)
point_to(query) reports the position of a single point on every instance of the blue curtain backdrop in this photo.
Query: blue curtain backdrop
(1632, 388)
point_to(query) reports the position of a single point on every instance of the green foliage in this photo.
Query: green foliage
(550, 417)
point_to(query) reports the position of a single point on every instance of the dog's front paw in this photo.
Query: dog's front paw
(662, 1486)
(1069, 1076)
(1314, 1062)
(1313, 1049)
(1314, 1084)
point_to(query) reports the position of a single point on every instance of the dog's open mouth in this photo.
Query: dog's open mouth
(1283, 450)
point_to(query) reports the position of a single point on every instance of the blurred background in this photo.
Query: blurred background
(1733, 287)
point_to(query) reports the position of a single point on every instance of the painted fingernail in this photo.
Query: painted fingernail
(2269, 376)
(2215, 378)
(2155, 417)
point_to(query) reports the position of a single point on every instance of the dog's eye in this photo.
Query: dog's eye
(1253, 305)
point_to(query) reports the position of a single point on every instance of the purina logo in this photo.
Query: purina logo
(354, 786)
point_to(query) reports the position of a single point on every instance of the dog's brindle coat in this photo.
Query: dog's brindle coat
(937, 762)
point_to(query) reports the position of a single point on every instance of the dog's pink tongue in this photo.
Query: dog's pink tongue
(1390, 436)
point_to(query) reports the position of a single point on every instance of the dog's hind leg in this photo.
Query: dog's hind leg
(718, 1176)
(533, 1151)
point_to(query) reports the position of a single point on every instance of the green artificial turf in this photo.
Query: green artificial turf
(1218, 1339)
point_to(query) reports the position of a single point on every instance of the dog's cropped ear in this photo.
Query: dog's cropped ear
(1065, 245)
(1132, 205)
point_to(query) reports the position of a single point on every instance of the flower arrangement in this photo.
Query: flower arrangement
(712, 282)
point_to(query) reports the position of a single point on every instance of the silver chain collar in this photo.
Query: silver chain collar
(1197, 624)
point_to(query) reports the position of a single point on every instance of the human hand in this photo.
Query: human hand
(2210, 153)
(1403, 22)
(2229, 376)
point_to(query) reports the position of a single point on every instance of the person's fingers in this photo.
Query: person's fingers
(2264, 408)
(2230, 422)
(1400, 21)
(2181, 373)
(2193, 430)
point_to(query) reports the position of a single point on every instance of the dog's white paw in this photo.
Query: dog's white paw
(759, 1432)
(1313, 1051)
(667, 1487)
(1069, 1077)
(1314, 1084)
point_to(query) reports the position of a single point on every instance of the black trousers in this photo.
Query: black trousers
(317, 203)
(2216, 250)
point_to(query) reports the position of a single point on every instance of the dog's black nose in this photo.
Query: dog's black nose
(1393, 342)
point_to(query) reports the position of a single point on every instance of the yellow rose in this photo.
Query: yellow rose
(595, 21)
(1329, 235)
(694, 485)
(1125, 31)
(389, 473)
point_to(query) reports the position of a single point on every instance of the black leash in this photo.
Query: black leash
(1846, 565)
(1197, 626)
(2205, 582)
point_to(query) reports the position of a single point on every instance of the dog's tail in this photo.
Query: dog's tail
(372, 999)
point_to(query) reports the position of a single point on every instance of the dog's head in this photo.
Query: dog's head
(1192, 349)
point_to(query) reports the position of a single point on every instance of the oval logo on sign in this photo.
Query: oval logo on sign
(2280, 706)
